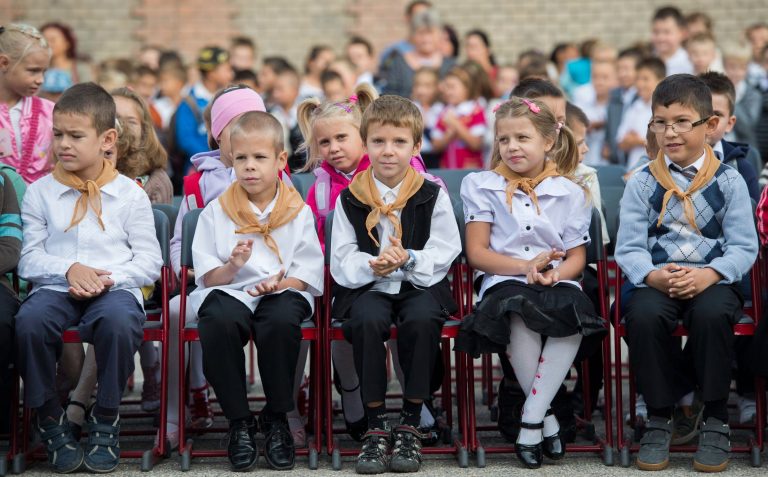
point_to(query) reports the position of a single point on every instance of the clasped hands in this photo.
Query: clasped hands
(390, 259)
(240, 256)
(682, 283)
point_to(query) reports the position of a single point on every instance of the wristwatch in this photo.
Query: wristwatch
(411, 263)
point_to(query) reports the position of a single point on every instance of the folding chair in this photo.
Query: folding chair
(333, 332)
(452, 179)
(155, 329)
(604, 445)
(188, 332)
(611, 175)
(13, 423)
(744, 327)
(302, 181)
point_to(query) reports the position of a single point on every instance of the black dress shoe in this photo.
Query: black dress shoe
(530, 454)
(279, 449)
(242, 450)
(553, 446)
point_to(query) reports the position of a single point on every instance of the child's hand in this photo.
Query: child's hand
(542, 260)
(86, 279)
(662, 278)
(270, 285)
(241, 253)
(546, 279)
(631, 140)
(692, 282)
(381, 267)
(394, 254)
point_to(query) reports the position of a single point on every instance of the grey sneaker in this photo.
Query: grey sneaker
(406, 449)
(714, 446)
(654, 446)
(102, 452)
(374, 456)
(687, 421)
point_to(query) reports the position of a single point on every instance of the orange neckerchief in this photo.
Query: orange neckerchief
(235, 203)
(364, 189)
(90, 191)
(662, 175)
(526, 184)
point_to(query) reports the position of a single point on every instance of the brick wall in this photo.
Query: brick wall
(108, 28)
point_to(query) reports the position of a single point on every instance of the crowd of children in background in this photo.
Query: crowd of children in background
(227, 131)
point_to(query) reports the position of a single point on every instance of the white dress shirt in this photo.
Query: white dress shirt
(350, 267)
(522, 233)
(127, 248)
(215, 238)
(679, 63)
(636, 118)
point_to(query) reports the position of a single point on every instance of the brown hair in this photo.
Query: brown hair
(564, 153)
(147, 153)
(311, 110)
(396, 111)
(465, 78)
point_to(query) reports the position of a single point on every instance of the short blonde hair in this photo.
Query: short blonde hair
(17, 40)
(396, 111)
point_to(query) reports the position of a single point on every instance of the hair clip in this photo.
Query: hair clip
(353, 99)
(345, 107)
(496, 108)
(531, 105)
(558, 127)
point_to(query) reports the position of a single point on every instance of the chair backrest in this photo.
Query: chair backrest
(611, 196)
(302, 181)
(177, 199)
(611, 175)
(595, 249)
(171, 211)
(328, 232)
(163, 231)
(452, 179)
(188, 236)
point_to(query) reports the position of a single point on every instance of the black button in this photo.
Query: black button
(527, 205)
(586, 238)
(527, 248)
(471, 217)
(527, 227)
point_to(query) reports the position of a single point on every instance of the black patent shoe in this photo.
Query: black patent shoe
(530, 454)
(242, 450)
(553, 446)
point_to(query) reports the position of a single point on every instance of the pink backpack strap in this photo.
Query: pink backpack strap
(418, 163)
(192, 192)
(323, 191)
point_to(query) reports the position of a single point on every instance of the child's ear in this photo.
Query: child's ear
(109, 139)
(282, 160)
(5, 62)
(731, 124)
(416, 148)
(711, 124)
(550, 143)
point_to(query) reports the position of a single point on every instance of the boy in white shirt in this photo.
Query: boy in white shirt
(667, 37)
(630, 136)
(394, 238)
(258, 264)
(87, 267)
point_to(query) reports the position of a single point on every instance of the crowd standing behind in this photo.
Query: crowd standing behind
(227, 130)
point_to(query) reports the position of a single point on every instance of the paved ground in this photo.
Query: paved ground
(497, 465)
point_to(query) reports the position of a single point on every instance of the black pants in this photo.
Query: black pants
(9, 305)
(111, 322)
(226, 325)
(665, 372)
(419, 321)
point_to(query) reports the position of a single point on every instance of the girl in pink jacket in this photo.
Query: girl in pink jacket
(26, 121)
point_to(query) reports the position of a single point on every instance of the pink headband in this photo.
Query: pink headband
(531, 105)
(232, 104)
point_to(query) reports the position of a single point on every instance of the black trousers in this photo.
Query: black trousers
(419, 320)
(112, 322)
(9, 305)
(665, 372)
(226, 325)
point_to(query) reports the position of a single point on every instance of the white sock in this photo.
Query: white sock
(552, 364)
(686, 400)
(427, 419)
(344, 362)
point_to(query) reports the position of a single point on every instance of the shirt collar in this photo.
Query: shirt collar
(112, 188)
(267, 210)
(551, 186)
(384, 190)
(699, 164)
(201, 92)
(718, 149)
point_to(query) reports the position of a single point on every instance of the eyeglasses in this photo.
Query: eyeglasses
(680, 126)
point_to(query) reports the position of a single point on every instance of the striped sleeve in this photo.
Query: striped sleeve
(10, 226)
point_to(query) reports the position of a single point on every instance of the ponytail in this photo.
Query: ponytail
(565, 153)
(304, 114)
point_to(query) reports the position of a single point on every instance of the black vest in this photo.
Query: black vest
(416, 221)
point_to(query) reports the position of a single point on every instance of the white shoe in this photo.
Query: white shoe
(641, 410)
(747, 409)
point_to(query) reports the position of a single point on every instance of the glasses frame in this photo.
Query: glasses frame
(672, 125)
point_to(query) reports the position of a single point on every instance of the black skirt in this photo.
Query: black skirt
(559, 311)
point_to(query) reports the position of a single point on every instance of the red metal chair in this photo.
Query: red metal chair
(156, 330)
(188, 332)
(744, 327)
(332, 332)
(603, 444)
